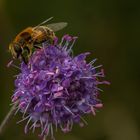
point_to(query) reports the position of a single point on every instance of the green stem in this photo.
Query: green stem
(7, 118)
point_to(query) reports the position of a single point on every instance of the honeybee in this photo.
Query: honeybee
(29, 39)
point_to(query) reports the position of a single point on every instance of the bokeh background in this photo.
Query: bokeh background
(110, 30)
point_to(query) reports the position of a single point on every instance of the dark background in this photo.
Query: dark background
(110, 30)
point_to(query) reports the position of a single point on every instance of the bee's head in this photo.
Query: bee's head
(15, 50)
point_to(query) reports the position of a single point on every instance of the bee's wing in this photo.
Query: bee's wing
(57, 26)
(43, 22)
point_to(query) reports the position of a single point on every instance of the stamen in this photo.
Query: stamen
(26, 109)
(54, 114)
(44, 137)
(44, 49)
(97, 67)
(93, 61)
(66, 46)
(103, 82)
(74, 39)
(69, 110)
(26, 126)
(68, 39)
(13, 102)
(52, 136)
(63, 129)
(33, 126)
(10, 64)
(67, 91)
(55, 40)
(41, 122)
(56, 125)
(83, 120)
(18, 108)
(98, 89)
(44, 128)
(86, 77)
(62, 40)
(48, 130)
(23, 119)
(93, 110)
(71, 122)
(68, 125)
(99, 74)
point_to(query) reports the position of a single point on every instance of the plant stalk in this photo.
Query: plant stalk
(7, 118)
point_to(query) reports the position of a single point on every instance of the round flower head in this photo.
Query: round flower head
(56, 89)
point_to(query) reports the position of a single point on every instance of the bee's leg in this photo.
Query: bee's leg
(27, 49)
(25, 59)
(18, 54)
(37, 46)
(25, 54)
(18, 51)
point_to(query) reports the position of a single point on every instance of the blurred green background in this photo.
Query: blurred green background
(110, 30)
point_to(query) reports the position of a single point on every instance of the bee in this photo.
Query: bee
(29, 39)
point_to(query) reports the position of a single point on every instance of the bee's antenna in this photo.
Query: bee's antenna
(44, 22)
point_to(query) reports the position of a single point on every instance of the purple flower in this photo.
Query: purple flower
(56, 89)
